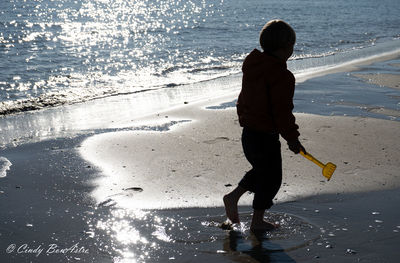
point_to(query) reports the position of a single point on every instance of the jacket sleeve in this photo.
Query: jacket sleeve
(281, 95)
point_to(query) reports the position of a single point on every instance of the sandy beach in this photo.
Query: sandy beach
(152, 191)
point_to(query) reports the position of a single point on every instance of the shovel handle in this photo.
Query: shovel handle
(313, 159)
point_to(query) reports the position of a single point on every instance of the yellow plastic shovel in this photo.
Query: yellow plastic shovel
(327, 169)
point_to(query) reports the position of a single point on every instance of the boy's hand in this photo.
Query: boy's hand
(295, 146)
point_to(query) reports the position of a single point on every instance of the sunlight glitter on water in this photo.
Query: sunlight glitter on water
(78, 51)
(150, 235)
(71, 51)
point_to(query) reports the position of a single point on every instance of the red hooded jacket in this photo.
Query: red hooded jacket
(265, 102)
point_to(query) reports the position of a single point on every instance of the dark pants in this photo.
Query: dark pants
(263, 151)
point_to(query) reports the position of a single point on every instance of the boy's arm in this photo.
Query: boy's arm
(282, 92)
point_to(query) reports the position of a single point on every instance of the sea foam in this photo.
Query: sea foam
(4, 166)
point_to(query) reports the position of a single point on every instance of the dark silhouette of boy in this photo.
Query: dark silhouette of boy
(264, 108)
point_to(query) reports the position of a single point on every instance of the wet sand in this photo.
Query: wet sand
(152, 192)
(382, 79)
(196, 157)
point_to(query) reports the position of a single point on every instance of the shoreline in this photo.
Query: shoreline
(348, 66)
(116, 112)
(304, 68)
(106, 203)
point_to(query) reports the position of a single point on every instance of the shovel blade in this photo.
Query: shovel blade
(328, 170)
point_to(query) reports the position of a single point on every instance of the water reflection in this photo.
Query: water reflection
(256, 248)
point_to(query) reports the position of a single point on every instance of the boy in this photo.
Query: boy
(264, 108)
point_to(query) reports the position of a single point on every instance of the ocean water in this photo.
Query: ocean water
(68, 51)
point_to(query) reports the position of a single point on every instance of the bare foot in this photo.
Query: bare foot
(263, 226)
(227, 225)
(231, 208)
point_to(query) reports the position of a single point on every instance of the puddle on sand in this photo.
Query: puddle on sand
(160, 235)
(293, 232)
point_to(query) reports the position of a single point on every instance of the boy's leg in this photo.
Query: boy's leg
(230, 203)
(269, 183)
(231, 199)
(258, 223)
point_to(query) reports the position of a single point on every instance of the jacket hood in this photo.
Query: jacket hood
(258, 61)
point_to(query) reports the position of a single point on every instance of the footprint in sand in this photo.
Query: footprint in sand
(216, 140)
(107, 203)
(127, 192)
(323, 127)
(136, 189)
(131, 191)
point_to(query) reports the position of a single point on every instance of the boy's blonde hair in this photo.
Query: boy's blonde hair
(277, 34)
